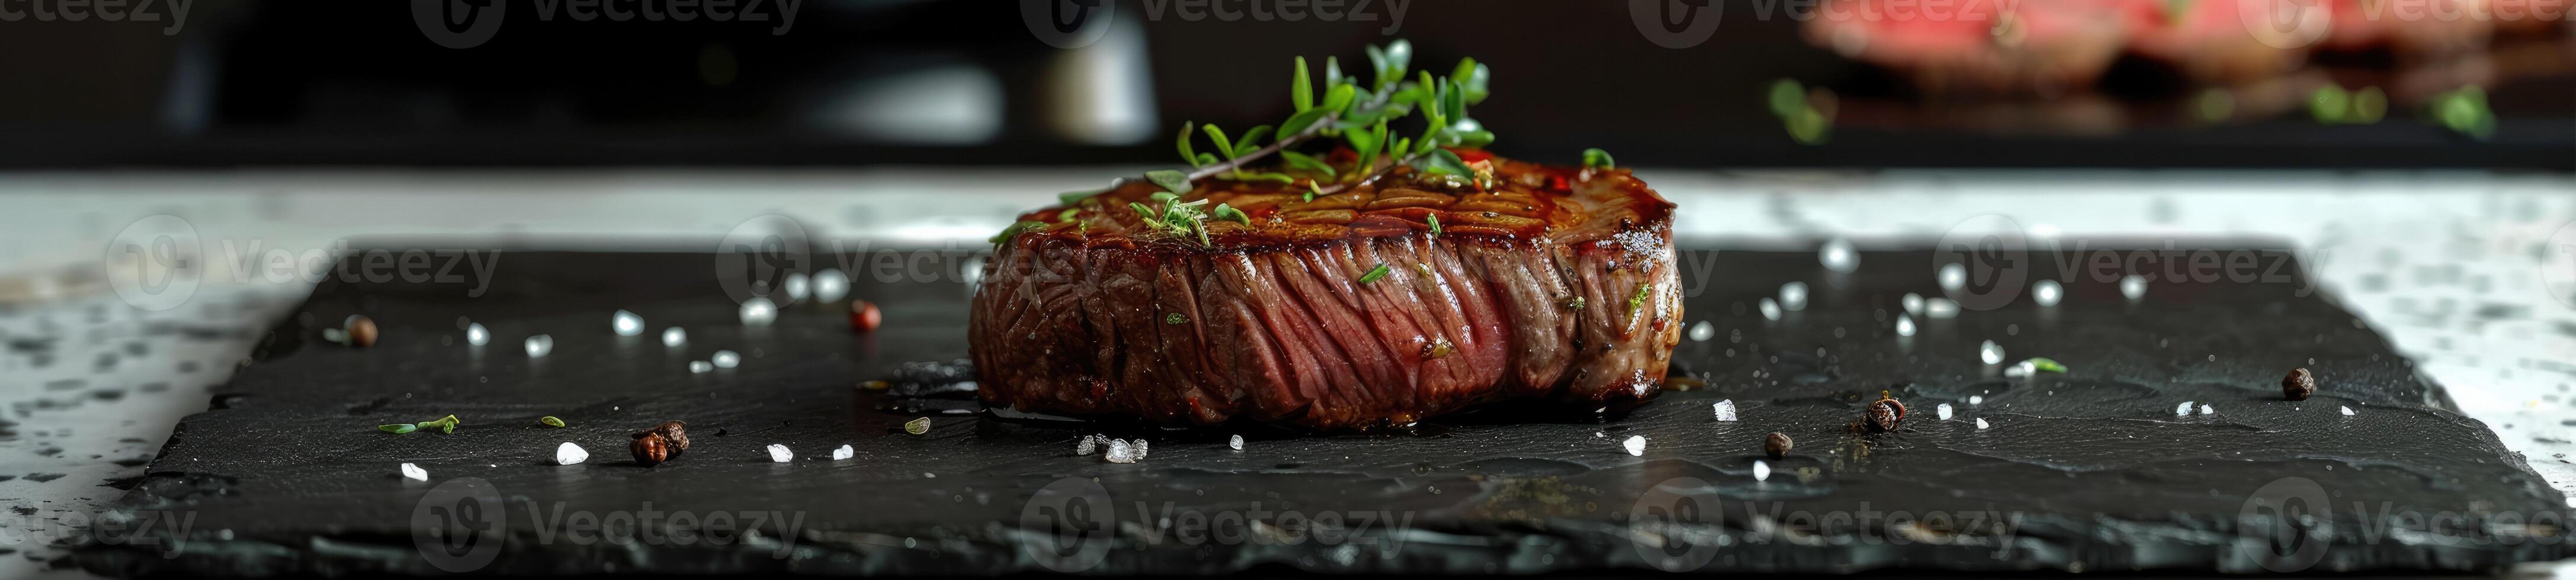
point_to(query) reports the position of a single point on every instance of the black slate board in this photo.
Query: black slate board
(2090, 470)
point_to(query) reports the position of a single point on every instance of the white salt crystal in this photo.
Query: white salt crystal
(725, 359)
(797, 286)
(2206, 410)
(1976, 399)
(1088, 445)
(845, 452)
(1703, 331)
(2184, 410)
(2021, 369)
(1235, 442)
(1944, 409)
(1793, 296)
(1725, 410)
(2133, 286)
(1981, 422)
(830, 286)
(415, 472)
(2047, 292)
(1137, 448)
(1990, 352)
(1913, 303)
(699, 366)
(758, 311)
(2347, 411)
(1940, 308)
(779, 453)
(1904, 325)
(568, 454)
(1118, 452)
(1954, 276)
(1770, 310)
(476, 335)
(539, 345)
(1636, 445)
(626, 323)
(1839, 256)
(1761, 470)
(673, 336)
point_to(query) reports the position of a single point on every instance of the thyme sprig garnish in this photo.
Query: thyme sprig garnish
(1359, 115)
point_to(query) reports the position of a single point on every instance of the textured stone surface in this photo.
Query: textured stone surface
(2086, 470)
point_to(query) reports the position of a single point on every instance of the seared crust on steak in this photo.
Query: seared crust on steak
(1526, 291)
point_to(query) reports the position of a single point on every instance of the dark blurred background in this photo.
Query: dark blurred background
(875, 82)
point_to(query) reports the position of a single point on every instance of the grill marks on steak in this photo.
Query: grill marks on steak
(1274, 324)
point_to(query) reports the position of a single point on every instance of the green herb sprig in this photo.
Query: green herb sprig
(1375, 273)
(1359, 114)
(445, 424)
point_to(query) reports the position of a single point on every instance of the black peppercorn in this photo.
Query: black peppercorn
(1883, 414)
(650, 449)
(2299, 385)
(1777, 444)
(362, 331)
(676, 433)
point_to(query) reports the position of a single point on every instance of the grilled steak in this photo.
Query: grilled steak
(1346, 311)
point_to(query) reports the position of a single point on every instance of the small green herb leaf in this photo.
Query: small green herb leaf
(1444, 162)
(1638, 300)
(1301, 91)
(398, 428)
(1312, 190)
(1598, 159)
(1332, 74)
(1435, 224)
(1176, 318)
(1067, 214)
(1399, 58)
(1301, 122)
(1340, 97)
(2329, 104)
(1075, 197)
(1472, 79)
(1224, 146)
(1014, 231)
(1189, 154)
(2046, 366)
(1251, 139)
(1172, 181)
(2176, 10)
(1227, 212)
(1786, 98)
(1575, 303)
(1303, 162)
(1374, 274)
(551, 421)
